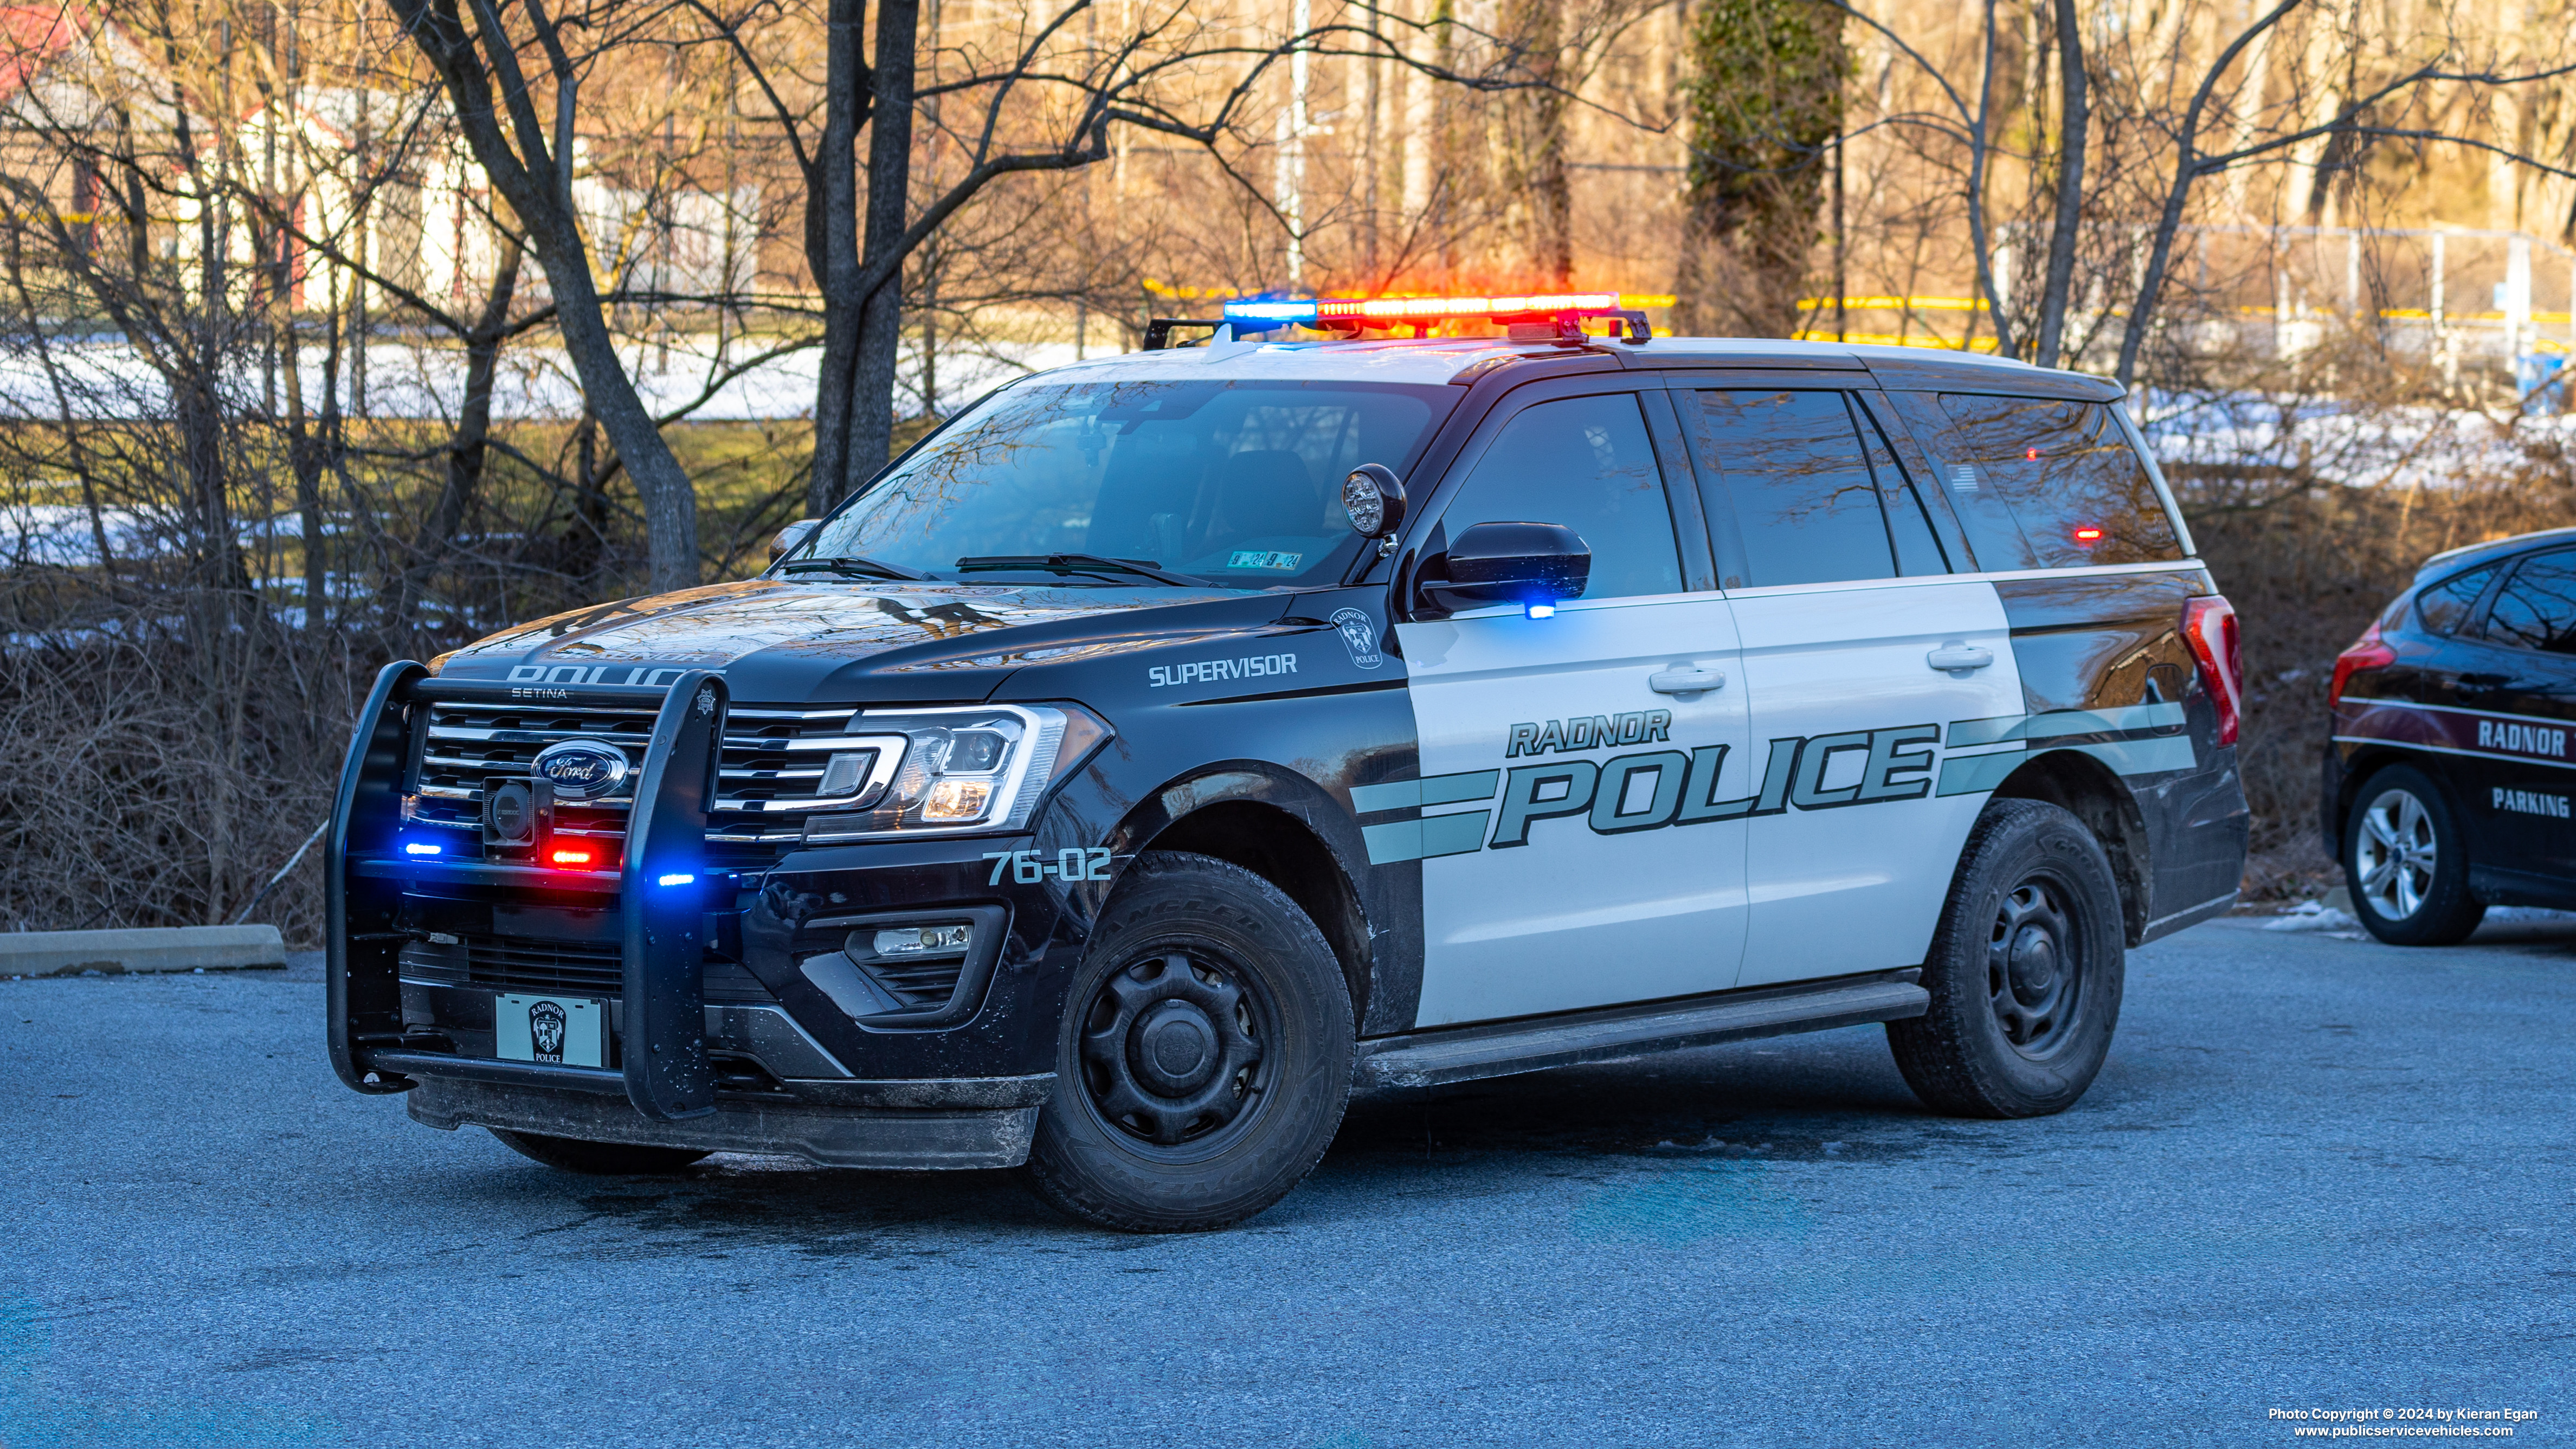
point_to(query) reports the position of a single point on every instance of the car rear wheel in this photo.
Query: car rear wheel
(1205, 1056)
(598, 1159)
(2025, 970)
(2405, 864)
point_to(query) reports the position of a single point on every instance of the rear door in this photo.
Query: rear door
(1859, 654)
(1571, 855)
(2519, 680)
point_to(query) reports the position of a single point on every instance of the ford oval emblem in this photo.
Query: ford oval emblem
(581, 769)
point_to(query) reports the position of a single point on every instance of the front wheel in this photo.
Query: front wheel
(1205, 1056)
(2404, 862)
(2024, 973)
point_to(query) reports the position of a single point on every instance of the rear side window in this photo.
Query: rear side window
(1793, 473)
(2442, 608)
(2536, 609)
(2045, 482)
(1583, 462)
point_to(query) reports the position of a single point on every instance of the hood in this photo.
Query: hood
(793, 640)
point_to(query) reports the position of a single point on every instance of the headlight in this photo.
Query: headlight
(949, 769)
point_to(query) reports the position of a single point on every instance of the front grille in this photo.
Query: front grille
(593, 968)
(571, 968)
(774, 758)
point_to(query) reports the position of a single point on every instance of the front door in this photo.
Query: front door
(1862, 660)
(1572, 855)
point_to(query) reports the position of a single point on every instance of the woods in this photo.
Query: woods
(340, 333)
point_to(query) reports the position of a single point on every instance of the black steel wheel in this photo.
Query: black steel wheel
(1205, 1057)
(2405, 864)
(1172, 1050)
(598, 1159)
(2025, 970)
(2033, 978)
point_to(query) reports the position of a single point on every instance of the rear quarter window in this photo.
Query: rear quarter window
(2043, 482)
(2442, 608)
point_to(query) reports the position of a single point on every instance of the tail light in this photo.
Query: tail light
(2209, 625)
(2367, 652)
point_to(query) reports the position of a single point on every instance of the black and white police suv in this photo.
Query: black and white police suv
(2447, 780)
(1174, 741)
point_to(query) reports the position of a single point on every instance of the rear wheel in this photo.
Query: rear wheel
(2405, 864)
(2025, 970)
(598, 1159)
(1205, 1056)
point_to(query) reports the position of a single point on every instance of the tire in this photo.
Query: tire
(2025, 970)
(2405, 862)
(598, 1159)
(1205, 1055)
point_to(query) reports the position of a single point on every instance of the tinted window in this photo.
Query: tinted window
(1791, 474)
(2044, 482)
(2537, 607)
(1917, 552)
(1583, 462)
(2441, 608)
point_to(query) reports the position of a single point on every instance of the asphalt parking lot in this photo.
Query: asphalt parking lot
(2318, 1174)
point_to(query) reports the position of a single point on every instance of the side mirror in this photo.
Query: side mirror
(1531, 564)
(791, 536)
(1374, 498)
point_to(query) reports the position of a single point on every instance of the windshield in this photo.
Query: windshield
(1234, 483)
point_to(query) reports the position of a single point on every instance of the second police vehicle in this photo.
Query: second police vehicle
(1172, 742)
(2448, 778)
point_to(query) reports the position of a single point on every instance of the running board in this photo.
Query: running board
(1463, 1054)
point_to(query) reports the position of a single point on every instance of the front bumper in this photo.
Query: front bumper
(720, 1035)
(831, 1136)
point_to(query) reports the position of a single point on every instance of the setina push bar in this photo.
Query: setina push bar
(660, 905)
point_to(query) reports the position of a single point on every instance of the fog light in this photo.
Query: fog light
(957, 800)
(924, 940)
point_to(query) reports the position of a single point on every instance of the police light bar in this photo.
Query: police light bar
(1394, 311)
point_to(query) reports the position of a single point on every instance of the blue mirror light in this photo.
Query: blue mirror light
(1541, 611)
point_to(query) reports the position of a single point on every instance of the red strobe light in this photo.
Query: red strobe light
(2088, 536)
(576, 857)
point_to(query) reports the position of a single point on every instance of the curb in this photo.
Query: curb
(116, 953)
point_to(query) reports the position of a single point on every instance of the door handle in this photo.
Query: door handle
(1959, 657)
(1685, 681)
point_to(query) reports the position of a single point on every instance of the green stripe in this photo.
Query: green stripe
(1400, 840)
(1431, 790)
(1974, 774)
(2054, 723)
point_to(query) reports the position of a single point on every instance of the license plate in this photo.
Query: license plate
(560, 1029)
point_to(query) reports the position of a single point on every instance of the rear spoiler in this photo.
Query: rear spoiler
(658, 888)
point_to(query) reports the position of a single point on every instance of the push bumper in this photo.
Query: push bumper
(925, 1092)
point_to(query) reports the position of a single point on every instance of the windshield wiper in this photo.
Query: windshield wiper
(875, 568)
(1081, 563)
